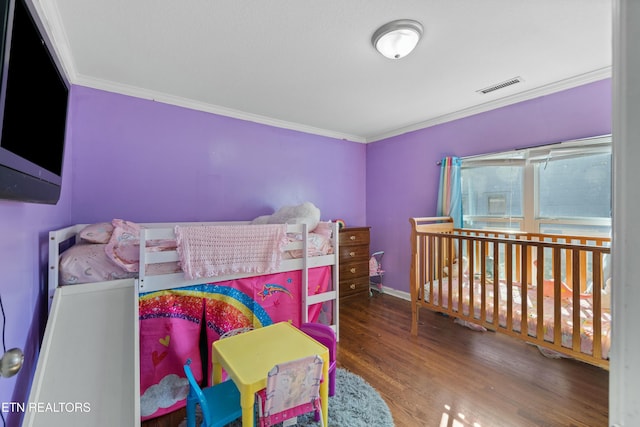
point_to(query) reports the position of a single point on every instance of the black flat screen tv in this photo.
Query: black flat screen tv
(33, 105)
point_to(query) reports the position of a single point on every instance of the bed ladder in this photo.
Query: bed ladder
(331, 295)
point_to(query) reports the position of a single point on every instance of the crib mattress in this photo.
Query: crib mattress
(530, 298)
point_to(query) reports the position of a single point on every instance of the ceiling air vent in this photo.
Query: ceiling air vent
(500, 85)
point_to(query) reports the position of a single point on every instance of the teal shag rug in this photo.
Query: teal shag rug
(355, 404)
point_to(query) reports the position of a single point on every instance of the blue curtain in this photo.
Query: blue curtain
(450, 192)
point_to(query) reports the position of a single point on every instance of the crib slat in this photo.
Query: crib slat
(421, 268)
(461, 273)
(524, 317)
(576, 337)
(438, 255)
(432, 262)
(448, 248)
(472, 275)
(496, 284)
(540, 292)
(421, 273)
(416, 280)
(483, 283)
(508, 254)
(597, 304)
(582, 266)
(557, 303)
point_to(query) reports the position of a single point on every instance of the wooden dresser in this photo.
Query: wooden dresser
(354, 261)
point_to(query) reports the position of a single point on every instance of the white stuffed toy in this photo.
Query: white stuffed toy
(306, 213)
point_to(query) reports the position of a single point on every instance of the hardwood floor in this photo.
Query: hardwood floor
(451, 376)
(448, 372)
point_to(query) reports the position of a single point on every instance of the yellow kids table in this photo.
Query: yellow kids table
(248, 357)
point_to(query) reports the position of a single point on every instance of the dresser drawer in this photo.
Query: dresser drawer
(354, 236)
(350, 254)
(358, 286)
(353, 270)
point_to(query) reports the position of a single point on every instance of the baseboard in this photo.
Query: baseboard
(396, 293)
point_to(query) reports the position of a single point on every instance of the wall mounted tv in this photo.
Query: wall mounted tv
(33, 103)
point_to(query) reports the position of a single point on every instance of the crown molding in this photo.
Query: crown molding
(456, 115)
(209, 108)
(548, 89)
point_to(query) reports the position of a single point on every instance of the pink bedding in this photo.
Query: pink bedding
(586, 312)
(110, 251)
(171, 326)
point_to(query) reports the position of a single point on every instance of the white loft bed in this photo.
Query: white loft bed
(149, 283)
(63, 323)
(153, 231)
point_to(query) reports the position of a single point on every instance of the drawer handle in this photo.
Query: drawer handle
(352, 269)
(352, 237)
(352, 254)
(353, 286)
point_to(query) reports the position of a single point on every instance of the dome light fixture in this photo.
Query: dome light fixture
(397, 39)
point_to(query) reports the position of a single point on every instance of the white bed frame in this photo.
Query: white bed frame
(169, 281)
(148, 283)
(67, 323)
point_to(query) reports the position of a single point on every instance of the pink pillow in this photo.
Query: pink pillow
(323, 229)
(88, 263)
(124, 246)
(97, 233)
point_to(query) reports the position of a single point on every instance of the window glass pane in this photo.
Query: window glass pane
(491, 225)
(576, 229)
(577, 187)
(492, 191)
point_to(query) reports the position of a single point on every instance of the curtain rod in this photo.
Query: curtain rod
(514, 151)
(439, 162)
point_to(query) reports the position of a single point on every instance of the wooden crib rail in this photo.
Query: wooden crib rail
(543, 267)
(571, 241)
(433, 224)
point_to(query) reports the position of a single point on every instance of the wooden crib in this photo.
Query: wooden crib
(508, 281)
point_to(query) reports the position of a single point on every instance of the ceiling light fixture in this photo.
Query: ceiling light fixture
(397, 39)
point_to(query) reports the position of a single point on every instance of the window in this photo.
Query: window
(559, 189)
(492, 195)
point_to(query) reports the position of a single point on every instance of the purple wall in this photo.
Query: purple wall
(23, 265)
(146, 161)
(402, 175)
(151, 162)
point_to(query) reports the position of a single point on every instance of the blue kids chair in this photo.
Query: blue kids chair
(220, 404)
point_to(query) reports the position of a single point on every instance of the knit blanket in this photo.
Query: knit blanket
(217, 250)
